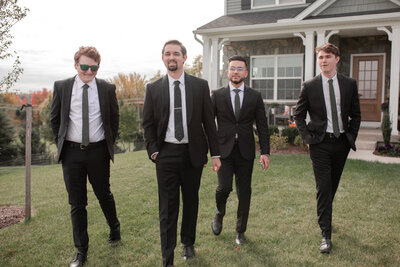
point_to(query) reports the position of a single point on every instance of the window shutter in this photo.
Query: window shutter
(246, 4)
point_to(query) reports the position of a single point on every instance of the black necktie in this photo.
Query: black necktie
(335, 121)
(178, 112)
(237, 104)
(85, 116)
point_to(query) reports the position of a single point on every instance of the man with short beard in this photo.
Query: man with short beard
(179, 127)
(236, 108)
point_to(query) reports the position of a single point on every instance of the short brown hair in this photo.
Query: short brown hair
(238, 58)
(175, 42)
(89, 51)
(328, 48)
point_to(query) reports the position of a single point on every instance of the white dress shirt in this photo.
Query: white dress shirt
(325, 86)
(170, 134)
(74, 131)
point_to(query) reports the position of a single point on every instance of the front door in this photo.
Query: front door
(367, 70)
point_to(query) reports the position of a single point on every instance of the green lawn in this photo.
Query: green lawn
(282, 229)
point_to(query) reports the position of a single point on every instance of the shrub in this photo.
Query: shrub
(278, 142)
(386, 127)
(299, 142)
(273, 129)
(290, 133)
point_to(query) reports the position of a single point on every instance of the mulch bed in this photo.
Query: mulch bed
(290, 149)
(10, 215)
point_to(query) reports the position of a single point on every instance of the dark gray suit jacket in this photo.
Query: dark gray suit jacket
(252, 110)
(312, 100)
(199, 114)
(60, 107)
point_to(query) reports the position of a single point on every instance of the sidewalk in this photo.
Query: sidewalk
(367, 155)
(366, 142)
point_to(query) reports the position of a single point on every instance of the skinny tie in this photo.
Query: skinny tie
(178, 112)
(85, 116)
(335, 121)
(237, 104)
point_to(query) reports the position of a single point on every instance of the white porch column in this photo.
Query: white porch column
(206, 58)
(308, 42)
(214, 66)
(320, 41)
(394, 78)
(309, 62)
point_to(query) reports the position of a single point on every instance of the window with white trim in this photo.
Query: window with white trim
(267, 3)
(277, 77)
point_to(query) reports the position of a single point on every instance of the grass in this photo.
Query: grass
(282, 228)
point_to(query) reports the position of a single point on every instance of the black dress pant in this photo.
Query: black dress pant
(328, 160)
(174, 172)
(242, 168)
(79, 164)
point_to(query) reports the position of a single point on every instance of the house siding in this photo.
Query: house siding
(244, 6)
(233, 6)
(352, 6)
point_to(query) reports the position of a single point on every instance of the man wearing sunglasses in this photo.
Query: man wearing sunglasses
(236, 108)
(84, 121)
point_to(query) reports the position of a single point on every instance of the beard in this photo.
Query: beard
(172, 67)
(237, 81)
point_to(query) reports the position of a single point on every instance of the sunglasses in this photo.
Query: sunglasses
(93, 68)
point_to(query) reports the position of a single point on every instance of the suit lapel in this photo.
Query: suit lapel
(228, 101)
(189, 98)
(101, 92)
(165, 100)
(320, 91)
(246, 100)
(342, 91)
(68, 94)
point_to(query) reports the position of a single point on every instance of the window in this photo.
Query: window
(264, 3)
(279, 77)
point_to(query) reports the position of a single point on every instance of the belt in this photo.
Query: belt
(332, 136)
(82, 147)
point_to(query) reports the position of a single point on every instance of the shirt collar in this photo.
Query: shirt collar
(326, 79)
(172, 80)
(231, 87)
(92, 83)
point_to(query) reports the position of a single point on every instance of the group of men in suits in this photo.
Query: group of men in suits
(179, 121)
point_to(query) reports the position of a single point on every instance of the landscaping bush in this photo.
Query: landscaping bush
(290, 133)
(299, 142)
(273, 129)
(278, 142)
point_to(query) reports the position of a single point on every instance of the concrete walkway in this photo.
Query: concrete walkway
(366, 141)
(367, 155)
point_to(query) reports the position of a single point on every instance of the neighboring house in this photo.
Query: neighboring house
(278, 37)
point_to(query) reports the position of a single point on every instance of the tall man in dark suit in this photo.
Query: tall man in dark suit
(332, 103)
(178, 126)
(236, 108)
(84, 120)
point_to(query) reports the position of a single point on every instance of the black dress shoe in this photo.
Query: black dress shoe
(188, 252)
(325, 246)
(216, 224)
(240, 239)
(78, 260)
(115, 236)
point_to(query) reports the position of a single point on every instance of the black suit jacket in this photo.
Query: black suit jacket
(60, 112)
(252, 110)
(312, 100)
(200, 118)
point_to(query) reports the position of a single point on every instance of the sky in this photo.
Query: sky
(128, 34)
